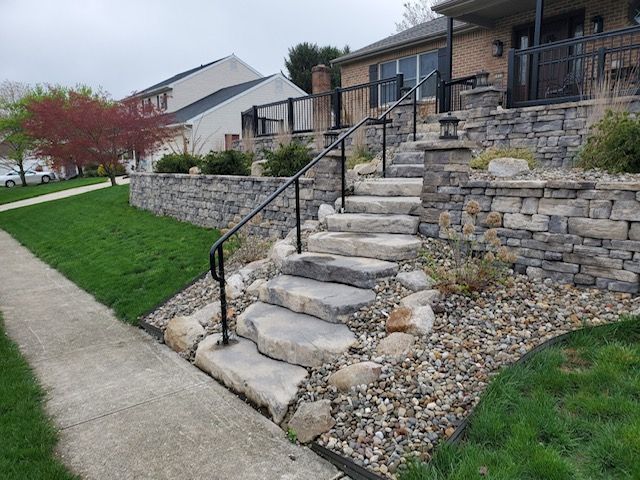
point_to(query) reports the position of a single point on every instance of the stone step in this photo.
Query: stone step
(373, 223)
(293, 337)
(266, 382)
(381, 205)
(328, 301)
(408, 158)
(405, 171)
(383, 246)
(390, 187)
(435, 144)
(356, 271)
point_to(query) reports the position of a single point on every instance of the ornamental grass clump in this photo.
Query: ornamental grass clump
(476, 262)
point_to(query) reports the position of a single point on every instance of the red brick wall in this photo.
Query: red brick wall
(472, 51)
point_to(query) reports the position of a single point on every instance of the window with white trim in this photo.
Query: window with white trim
(413, 68)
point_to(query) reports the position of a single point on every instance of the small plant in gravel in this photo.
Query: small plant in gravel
(249, 248)
(292, 435)
(477, 262)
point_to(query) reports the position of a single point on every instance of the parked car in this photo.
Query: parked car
(12, 178)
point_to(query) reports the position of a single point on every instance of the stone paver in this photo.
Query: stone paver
(127, 407)
(62, 194)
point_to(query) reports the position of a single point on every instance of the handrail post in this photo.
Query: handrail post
(254, 122)
(415, 114)
(290, 116)
(344, 178)
(602, 59)
(337, 107)
(384, 147)
(399, 83)
(223, 297)
(511, 77)
(298, 229)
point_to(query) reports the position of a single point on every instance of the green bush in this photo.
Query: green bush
(229, 162)
(287, 160)
(360, 155)
(102, 172)
(481, 162)
(614, 144)
(176, 163)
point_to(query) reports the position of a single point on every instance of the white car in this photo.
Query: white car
(11, 179)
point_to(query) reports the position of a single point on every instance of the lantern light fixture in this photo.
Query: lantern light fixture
(449, 127)
(498, 48)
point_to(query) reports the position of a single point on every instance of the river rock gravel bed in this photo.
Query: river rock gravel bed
(566, 175)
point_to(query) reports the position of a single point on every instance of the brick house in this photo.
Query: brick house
(505, 38)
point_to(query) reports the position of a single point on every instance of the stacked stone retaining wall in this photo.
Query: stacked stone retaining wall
(578, 232)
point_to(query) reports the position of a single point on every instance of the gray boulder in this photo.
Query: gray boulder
(508, 167)
(362, 373)
(396, 344)
(182, 333)
(311, 420)
(415, 281)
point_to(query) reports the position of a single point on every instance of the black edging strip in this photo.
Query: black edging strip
(353, 470)
(460, 430)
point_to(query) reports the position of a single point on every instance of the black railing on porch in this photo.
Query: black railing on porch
(575, 69)
(333, 110)
(216, 254)
(449, 91)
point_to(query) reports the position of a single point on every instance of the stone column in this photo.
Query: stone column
(446, 172)
(481, 97)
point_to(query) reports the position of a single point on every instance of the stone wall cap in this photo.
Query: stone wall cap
(571, 184)
(442, 145)
(633, 186)
(518, 183)
(479, 90)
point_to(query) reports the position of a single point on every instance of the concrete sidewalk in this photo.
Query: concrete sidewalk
(126, 406)
(62, 194)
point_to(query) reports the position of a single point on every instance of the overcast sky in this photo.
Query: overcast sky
(127, 45)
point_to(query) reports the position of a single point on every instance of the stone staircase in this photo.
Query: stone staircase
(298, 320)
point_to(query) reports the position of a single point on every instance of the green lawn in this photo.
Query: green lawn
(27, 437)
(127, 258)
(8, 195)
(571, 413)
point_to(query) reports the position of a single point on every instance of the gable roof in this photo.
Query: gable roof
(215, 99)
(420, 33)
(177, 77)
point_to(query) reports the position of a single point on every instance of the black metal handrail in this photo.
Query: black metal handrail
(217, 250)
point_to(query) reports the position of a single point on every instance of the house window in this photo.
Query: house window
(413, 68)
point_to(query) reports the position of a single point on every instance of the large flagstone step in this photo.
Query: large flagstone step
(293, 337)
(405, 171)
(389, 187)
(373, 223)
(356, 271)
(381, 205)
(266, 382)
(328, 301)
(383, 246)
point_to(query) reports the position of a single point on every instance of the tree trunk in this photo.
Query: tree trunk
(112, 176)
(23, 178)
(80, 171)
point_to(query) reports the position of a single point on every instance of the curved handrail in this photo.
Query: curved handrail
(217, 268)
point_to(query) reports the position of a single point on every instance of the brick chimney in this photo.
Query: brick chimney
(320, 79)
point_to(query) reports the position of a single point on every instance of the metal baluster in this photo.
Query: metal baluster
(298, 233)
(384, 147)
(223, 297)
(344, 179)
(415, 114)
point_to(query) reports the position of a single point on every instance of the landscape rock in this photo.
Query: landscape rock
(324, 211)
(182, 333)
(395, 344)
(255, 287)
(195, 171)
(508, 167)
(422, 299)
(281, 250)
(208, 314)
(366, 168)
(414, 320)
(362, 373)
(312, 419)
(257, 168)
(416, 280)
(234, 286)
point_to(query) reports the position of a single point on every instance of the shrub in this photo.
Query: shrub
(360, 155)
(476, 262)
(229, 162)
(287, 160)
(176, 163)
(102, 172)
(613, 144)
(481, 162)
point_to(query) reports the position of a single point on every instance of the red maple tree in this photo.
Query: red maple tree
(89, 129)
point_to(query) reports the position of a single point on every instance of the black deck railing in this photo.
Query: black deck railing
(337, 109)
(574, 69)
(449, 91)
(216, 254)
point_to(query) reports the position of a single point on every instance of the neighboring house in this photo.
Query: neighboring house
(573, 43)
(206, 104)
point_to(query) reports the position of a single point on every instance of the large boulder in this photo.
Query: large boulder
(257, 168)
(182, 333)
(281, 250)
(362, 373)
(396, 344)
(422, 299)
(234, 287)
(324, 211)
(195, 171)
(508, 167)
(311, 420)
(415, 281)
(413, 320)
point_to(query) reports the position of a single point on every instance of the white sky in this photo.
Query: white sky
(126, 45)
